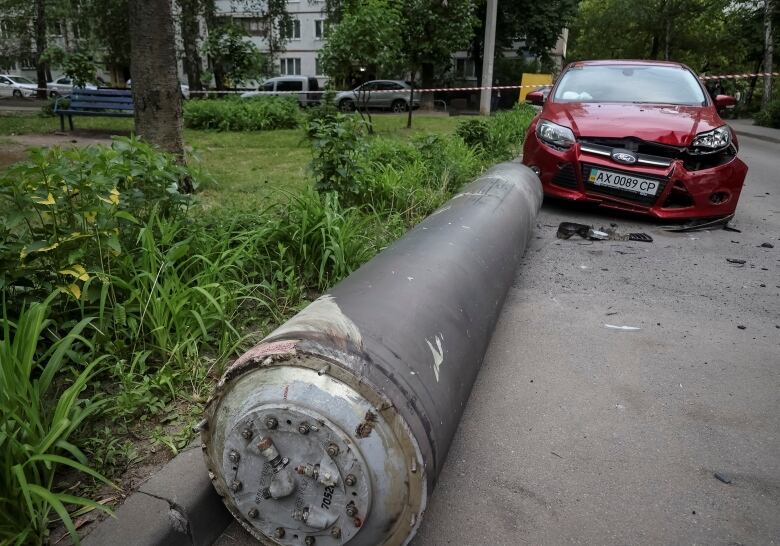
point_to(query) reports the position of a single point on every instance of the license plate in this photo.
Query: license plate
(610, 179)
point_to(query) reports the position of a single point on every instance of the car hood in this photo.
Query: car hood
(674, 125)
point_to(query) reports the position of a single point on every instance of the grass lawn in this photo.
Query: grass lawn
(249, 169)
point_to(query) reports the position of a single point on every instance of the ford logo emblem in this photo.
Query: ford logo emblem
(624, 156)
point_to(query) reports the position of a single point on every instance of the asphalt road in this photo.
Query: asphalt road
(577, 433)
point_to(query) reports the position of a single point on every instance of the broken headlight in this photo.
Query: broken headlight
(711, 141)
(554, 134)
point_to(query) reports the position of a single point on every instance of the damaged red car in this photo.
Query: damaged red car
(639, 136)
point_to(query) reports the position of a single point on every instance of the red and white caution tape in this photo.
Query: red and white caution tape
(431, 89)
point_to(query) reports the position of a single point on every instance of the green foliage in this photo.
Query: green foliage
(770, 117)
(238, 58)
(368, 38)
(499, 137)
(41, 384)
(337, 144)
(261, 113)
(66, 212)
(78, 65)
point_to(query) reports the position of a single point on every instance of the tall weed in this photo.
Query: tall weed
(40, 408)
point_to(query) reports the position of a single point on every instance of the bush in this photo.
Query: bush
(499, 137)
(338, 143)
(261, 113)
(770, 117)
(65, 213)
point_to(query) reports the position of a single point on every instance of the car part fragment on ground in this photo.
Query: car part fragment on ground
(334, 428)
(567, 229)
(707, 223)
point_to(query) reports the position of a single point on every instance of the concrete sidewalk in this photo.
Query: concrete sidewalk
(745, 127)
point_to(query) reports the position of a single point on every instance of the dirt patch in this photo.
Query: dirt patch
(11, 152)
(82, 137)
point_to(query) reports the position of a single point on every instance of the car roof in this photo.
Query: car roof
(621, 62)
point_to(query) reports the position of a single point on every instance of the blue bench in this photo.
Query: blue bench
(115, 103)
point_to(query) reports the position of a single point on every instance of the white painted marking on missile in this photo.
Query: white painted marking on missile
(322, 315)
(438, 354)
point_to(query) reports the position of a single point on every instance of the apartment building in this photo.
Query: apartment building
(305, 38)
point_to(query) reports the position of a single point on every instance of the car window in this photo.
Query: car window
(314, 85)
(630, 83)
(370, 86)
(64, 81)
(393, 86)
(289, 85)
(4, 80)
(268, 86)
(19, 79)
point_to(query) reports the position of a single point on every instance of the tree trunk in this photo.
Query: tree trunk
(654, 47)
(667, 38)
(411, 101)
(40, 47)
(190, 34)
(768, 52)
(153, 68)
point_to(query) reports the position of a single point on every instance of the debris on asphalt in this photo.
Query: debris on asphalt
(554, 453)
(741, 326)
(697, 225)
(732, 229)
(767, 245)
(625, 328)
(722, 477)
(566, 230)
(736, 261)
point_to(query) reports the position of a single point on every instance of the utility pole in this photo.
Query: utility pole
(768, 50)
(488, 54)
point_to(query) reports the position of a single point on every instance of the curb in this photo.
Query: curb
(749, 134)
(176, 506)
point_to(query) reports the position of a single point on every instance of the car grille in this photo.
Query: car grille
(655, 154)
(566, 176)
(624, 194)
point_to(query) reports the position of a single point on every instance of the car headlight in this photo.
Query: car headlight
(711, 141)
(554, 134)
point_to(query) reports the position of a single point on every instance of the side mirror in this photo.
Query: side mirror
(535, 97)
(725, 101)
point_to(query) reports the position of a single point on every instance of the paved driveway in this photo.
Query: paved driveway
(576, 433)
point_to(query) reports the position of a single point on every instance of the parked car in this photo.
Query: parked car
(64, 85)
(639, 136)
(308, 87)
(545, 92)
(395, 95)
(185, 89)
(17, 86)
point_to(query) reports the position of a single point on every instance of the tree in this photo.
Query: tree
(40, 48)
(189, 24)
(365, 43)
(156, 91)
(524, 25)
(769, 43)
(238, 59)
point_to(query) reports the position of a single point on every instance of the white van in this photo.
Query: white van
(307, 85)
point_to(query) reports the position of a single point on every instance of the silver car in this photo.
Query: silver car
(392, 95)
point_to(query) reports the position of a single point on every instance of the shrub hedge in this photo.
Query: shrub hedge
(236, 114)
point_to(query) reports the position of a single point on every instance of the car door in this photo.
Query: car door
(291, 85)
(6, 87)
(366, 96)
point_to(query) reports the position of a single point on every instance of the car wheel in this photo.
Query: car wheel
(54, 94)
(399, 106)
(347, 105)
(17, 94)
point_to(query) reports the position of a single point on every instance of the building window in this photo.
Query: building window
(464, 68)
(293, 30)
(290, 67)
(317, 67)
(320, 29)
(252, 25)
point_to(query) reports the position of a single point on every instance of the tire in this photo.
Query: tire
(347, 105)
(53, 94)
(17, 94)
(399, 105)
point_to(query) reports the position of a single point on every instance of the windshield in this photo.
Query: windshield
(630, 83)
(19, 79)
